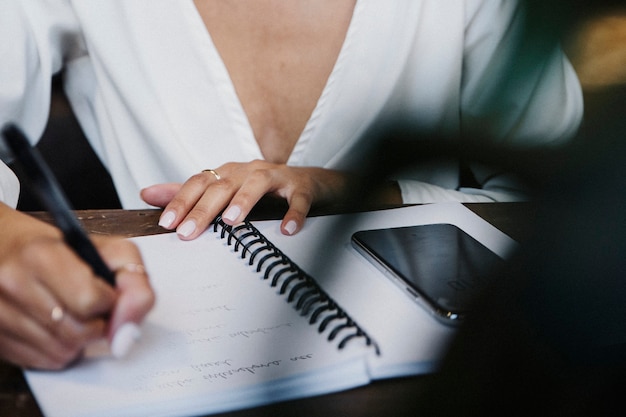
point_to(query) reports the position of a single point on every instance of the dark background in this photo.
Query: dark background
(84, 179)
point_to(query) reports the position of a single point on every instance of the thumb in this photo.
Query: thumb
(160, 195)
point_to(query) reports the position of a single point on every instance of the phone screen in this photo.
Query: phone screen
(439, 265)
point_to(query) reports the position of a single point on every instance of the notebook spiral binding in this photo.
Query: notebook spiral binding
(296, 285)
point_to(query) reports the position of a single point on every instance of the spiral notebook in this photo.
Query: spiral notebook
(246, 316)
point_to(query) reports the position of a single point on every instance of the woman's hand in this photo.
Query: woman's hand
(51, 304)
(237, 187)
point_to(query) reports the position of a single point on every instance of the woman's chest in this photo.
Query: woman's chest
(279, 56)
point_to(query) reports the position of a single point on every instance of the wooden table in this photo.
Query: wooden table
(390, 397)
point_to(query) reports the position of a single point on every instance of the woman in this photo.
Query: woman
(205, 106)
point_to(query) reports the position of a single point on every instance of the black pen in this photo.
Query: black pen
(51, 196)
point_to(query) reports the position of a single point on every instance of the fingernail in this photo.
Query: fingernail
(167, 219)
(291, 227)
(232, 213)
(125, 337)
(187, 228)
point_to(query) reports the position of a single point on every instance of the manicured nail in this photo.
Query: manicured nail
(167, 219)
(232, 213)
(291, 227)
(187, 228)
(125, 337)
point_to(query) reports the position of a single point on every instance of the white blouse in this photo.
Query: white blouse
(157, 103)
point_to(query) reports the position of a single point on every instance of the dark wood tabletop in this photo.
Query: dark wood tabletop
(394, 397)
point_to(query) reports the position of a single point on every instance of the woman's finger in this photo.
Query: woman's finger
(257, 184)
(31, 356)
(206, 209)
(160, 195)
(70, 280)
(47, 282)
(49, 343)
(134, 294)
(299, 206)
(185, 199)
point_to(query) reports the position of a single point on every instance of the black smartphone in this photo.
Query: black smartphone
(439, 266)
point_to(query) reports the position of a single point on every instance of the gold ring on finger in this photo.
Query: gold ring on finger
(132, 267)
(214, 172)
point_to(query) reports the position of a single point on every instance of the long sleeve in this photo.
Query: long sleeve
(35, 38)
(507, 99)
(25, 72)
(520, 92)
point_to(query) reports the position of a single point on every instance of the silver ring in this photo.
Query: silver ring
(214, 172)
(57, 313)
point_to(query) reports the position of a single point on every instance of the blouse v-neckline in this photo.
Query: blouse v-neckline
(230, 98)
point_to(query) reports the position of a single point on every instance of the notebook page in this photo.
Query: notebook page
(219, 338)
